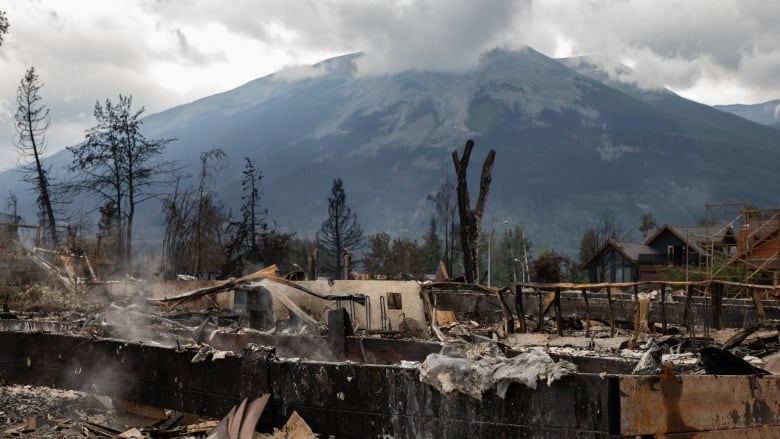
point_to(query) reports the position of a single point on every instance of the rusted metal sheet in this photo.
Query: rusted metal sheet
(697, 403)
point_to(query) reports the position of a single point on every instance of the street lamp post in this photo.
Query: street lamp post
(490, 238)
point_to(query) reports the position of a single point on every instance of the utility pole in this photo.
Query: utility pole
(526, 271)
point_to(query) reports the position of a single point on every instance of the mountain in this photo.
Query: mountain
(767, 113)
(569, 145)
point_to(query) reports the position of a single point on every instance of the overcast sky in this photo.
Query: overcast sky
(170, 52)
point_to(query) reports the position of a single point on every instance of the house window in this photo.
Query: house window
(394, 301)
(627, 274)
(670, 255)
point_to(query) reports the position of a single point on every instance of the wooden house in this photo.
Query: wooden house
(691, 245)
(669, 246)
(618, 261)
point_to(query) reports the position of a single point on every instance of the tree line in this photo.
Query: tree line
(121, 168)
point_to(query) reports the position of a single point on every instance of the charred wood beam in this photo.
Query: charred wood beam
(509, 322)
(664, 323)
(253, 280)
(611, 312)
(760, 312)
(717, 306)
(613, 309)
(519, 308)
(587, 312)
(558, 312)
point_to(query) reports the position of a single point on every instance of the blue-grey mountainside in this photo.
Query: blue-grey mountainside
(569, 145)
(767, 113)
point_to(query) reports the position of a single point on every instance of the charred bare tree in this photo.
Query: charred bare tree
(471, 219)
(178, 208)
(32, 121)
(208, 214)
(311, 269)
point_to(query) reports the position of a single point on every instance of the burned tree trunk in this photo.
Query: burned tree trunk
(471, 219)
(313, 264)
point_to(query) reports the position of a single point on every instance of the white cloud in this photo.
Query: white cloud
(167, 52)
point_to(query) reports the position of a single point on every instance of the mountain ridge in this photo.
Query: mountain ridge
(569, 146)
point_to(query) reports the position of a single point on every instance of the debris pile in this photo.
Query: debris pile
(473, 348)
(474, 369)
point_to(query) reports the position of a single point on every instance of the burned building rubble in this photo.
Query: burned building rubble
(358, 359)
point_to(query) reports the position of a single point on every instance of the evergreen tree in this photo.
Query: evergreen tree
(340, 230)
(377, 260)
(647, 224)
(431, 252)
(120, 165)
(32, 121)
(253, 227)
(406, 260)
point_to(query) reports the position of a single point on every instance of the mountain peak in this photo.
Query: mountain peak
(570, 144)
